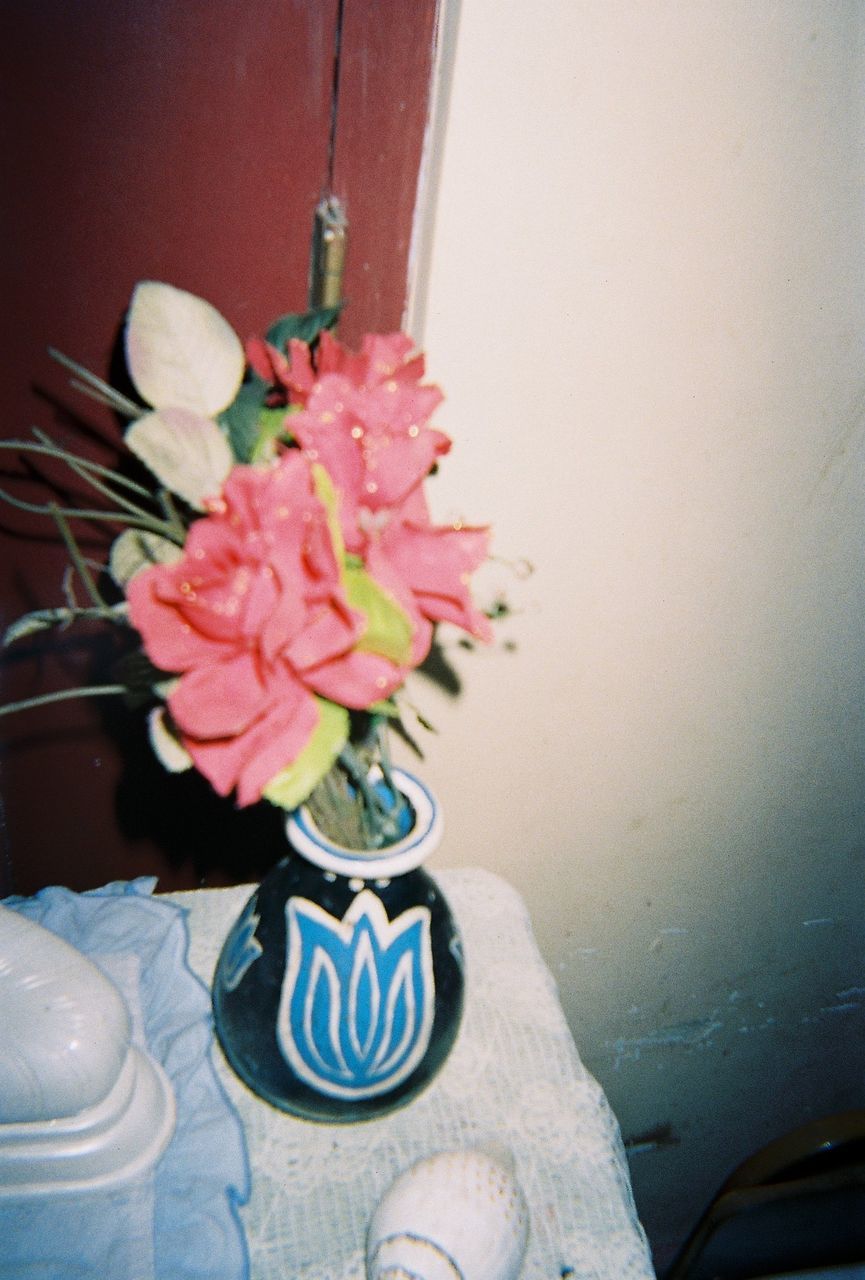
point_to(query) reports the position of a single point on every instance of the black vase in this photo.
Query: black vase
(339, 990)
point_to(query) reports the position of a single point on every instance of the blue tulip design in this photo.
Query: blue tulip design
(357, 1001)
(242, 948)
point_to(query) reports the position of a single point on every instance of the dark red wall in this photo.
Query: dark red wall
(186, 142)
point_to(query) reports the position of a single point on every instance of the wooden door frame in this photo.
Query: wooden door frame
(386, 75)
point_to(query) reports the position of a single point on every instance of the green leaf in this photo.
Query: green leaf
(388, 709)
(306, 326)
(180, 351)
(187, 452)
(136, 549)
(31, 623)
(388, 627)
(270, 426)
(252, 426)
(292, 785)
(41, 619)
(241, 418)
(326, 493)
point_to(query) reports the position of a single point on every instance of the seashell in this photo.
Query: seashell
(458, 1215)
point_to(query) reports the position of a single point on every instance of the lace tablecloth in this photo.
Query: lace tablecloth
(513, 1084)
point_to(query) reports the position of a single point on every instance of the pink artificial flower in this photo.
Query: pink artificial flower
(255, 619)
(364, 417)
(427, 568)
(382, 357)
(272, 367)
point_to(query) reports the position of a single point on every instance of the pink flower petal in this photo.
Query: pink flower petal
(356, 680)
(265, 360)
(387, 576)
(250, 760)
(171, 644)
(301, 376)
(364, 417)
(435, 562)
(221, 699)
(330, 634)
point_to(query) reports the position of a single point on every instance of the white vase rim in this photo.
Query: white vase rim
(404, 855)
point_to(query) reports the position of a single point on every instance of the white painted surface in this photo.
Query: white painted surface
(455, 1215)
(81, 1107)
(645, 299)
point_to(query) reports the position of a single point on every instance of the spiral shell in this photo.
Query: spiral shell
(459, 1215)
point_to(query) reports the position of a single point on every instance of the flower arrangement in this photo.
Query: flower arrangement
(283, 573)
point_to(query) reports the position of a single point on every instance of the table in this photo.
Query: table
(513, 1084)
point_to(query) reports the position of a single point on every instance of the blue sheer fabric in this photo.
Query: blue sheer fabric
(180, 1221)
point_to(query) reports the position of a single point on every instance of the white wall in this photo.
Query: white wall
(644, 296)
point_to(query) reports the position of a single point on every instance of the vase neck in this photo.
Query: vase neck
(423, 837)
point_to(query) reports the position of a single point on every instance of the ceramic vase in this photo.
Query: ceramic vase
(339, 989)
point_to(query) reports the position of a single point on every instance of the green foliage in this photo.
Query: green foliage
(141, 680)
(240, 419)
(271, 425)
(388, 627)
(251, 424)
(305, 326)
(292, 785)
(42, 619)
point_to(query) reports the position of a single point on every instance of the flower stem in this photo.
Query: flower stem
(98, 389)
(48, 448)
(173, 527)
(151, 523)
(173, 518)
(82, 468)
(62, 695)
(380, 818)
(76, 557)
